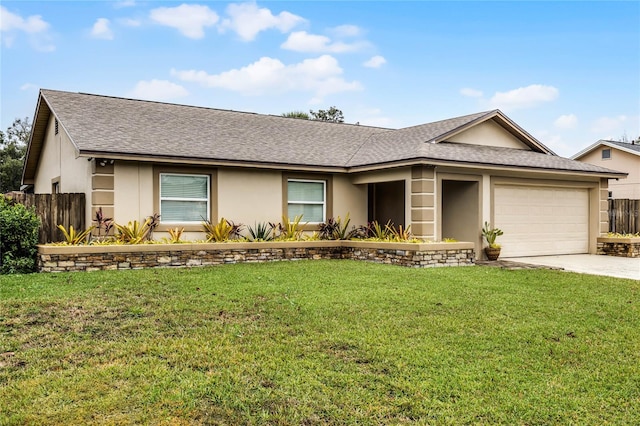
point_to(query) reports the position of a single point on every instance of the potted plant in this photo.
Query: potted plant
(490, 235)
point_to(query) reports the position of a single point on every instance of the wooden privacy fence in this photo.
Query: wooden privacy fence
(54, 210)
(624, 217)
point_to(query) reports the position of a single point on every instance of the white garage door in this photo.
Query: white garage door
(542, 221)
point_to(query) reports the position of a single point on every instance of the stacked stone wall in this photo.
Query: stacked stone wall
(53, 260)
(619, 248)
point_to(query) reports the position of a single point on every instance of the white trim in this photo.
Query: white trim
(323, 203)
(187, 199)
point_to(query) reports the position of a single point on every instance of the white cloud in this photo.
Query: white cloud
(375, 62)
(128, 22)
(101, 29)
(29, 86)
(524, 97)
(34, 26)
(10, 21)
(346, 31)
(472, 93)
(608, 124)
(301, 41)
(158, 90)
(247, 20)
(567, 121)
(556, 143)
(124, 3)
(190, 20)
(320, 76)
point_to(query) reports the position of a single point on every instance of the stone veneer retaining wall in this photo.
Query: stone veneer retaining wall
(93, 258)
(624, 247)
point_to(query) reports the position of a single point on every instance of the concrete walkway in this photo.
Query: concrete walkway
(612, 266)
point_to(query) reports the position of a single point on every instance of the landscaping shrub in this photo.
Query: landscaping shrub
(18, 237)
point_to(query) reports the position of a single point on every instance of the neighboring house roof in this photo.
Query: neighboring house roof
(630, 147)
(102, 126)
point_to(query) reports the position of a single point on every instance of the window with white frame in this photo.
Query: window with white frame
(307, 198)
(184, 198)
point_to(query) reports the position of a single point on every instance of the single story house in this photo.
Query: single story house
(134, 158)
(616, 155)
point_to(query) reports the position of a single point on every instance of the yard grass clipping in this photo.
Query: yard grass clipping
(319, 342)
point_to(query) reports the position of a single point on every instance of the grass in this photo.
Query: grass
(319, 342)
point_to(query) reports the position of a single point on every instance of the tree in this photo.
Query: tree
(296, 114)
(333, 114)
(13, 148)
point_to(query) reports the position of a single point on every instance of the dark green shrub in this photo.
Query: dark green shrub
(18, 237)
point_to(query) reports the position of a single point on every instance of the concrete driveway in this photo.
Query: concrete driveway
(612, 266)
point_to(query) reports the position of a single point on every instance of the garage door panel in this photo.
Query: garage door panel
(542, 221)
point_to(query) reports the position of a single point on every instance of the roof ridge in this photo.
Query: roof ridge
(478, 114)
(203, 107)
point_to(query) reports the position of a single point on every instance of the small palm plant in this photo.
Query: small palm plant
(133, 232)
(224, 230)
(74, 237)
(261, 231)
(490, 234)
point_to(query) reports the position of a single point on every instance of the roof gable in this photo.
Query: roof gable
(631, 148)
(489, 133)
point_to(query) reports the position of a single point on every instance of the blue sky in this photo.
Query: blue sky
(567, 72)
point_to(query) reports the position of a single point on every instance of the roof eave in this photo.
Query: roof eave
(36, 140)
(212, 162)
(486, 166)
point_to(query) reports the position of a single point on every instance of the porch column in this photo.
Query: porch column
(102, 185)
(423, 202)
(603, 203)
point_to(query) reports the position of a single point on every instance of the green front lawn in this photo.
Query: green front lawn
(319, 342)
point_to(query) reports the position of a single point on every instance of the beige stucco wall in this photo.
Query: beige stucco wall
(351, 199)
(59, 160)
(133, 191)
(243, 196)
(488, 133)
(623, 162)
(249, 196)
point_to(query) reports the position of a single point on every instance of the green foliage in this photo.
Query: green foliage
(222, 231)
(336, 229)
(296, 114)
(398, 234)
(18, 237)
(289, 230)
(377, 231)
(73, 237)
(133, 232)
(261, 231)
(490, 234)
(13, 147)
(333, 114)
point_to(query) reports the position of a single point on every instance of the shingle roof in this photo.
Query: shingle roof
(126, 126)
(460, 153)
(626, 145)
(102, 125)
